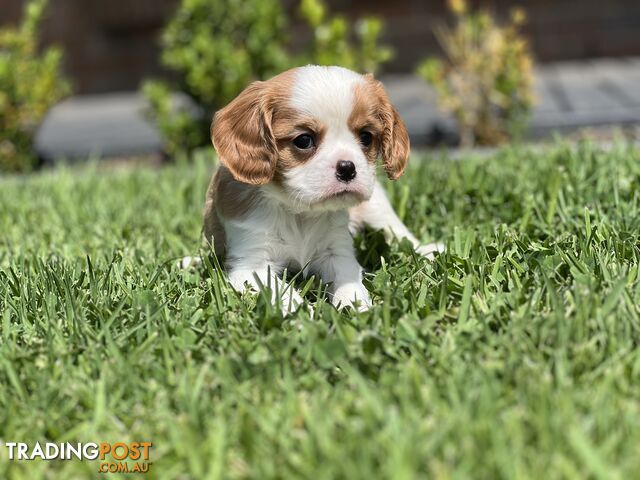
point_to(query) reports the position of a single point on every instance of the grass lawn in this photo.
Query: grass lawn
(513, 355)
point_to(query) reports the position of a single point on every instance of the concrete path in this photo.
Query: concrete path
(571, 95)
(97, 125)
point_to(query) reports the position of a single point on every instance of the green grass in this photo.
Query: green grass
(514, 355)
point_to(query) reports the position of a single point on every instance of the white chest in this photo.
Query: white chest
(281, 236)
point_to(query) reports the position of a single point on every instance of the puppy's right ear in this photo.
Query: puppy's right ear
(241, 134)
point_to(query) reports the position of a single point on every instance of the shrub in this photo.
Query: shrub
(332, 41)
(30, 83)
(216, 47)
(181, 129)
(219, 45)
(486, 82)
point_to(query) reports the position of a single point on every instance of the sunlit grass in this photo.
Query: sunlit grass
(513, 355)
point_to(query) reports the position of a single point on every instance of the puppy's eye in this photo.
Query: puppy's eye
(366, 138)
(304, 142)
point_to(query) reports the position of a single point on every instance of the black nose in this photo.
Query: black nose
(345, 171)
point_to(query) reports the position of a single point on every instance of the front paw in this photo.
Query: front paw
(290, 300)
(283, 294)
(429, 250)
(189, 262)
(351, 295)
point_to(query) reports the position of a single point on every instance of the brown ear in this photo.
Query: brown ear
(395, 139)
(395, 143)
(241, 134)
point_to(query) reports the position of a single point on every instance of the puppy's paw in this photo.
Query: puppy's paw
(283, 294)
(189, 262)
(352, 295)
(291, 300)
(429, 250)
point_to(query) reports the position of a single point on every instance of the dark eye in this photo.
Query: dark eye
(366, 138)
(304, 142)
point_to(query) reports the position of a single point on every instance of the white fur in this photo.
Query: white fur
(306, 225)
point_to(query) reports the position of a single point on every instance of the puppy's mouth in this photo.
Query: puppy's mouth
(345, 194)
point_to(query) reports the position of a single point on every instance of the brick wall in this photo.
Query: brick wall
(109, 44)
(558, 29)
(113, 44)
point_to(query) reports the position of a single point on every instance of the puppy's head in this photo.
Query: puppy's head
(312, 136)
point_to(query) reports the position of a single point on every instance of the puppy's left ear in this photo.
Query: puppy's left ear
(396, 147)
(395, 139)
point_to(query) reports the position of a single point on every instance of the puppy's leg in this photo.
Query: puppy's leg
(257, 274)
(378, 214)
(338, 266)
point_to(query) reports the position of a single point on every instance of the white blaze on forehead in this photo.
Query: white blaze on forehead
(325, 93)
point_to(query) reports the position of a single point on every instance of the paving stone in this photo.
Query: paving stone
(621, 78)
(417, 103)
(548, 92)
(104, 125)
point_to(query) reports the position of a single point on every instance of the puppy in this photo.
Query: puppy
(298, 158)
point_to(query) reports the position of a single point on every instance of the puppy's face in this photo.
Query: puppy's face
(313, 136)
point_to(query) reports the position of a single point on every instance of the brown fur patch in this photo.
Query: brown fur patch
(288, 123)
(213, 229)
(233, 198)
(226, 198)
(365, 117)
(242, 131)
(372, 111)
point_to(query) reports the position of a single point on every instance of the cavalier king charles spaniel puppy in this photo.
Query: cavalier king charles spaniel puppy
(297, 179)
